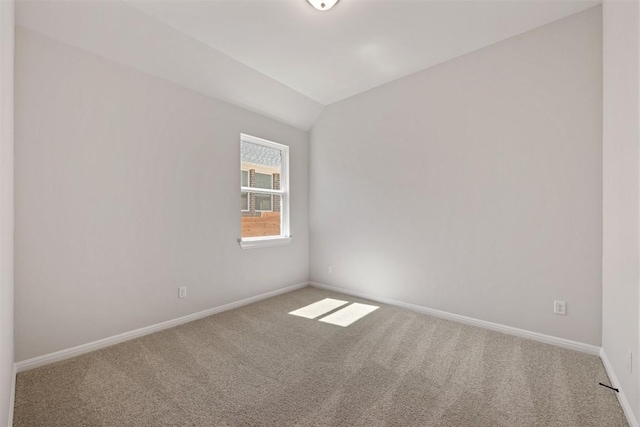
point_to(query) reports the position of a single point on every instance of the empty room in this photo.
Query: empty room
(319, 213)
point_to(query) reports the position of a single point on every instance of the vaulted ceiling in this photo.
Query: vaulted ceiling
(282, 58)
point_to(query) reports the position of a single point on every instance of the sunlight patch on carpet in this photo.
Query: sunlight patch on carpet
(349, 314)
(318, 308)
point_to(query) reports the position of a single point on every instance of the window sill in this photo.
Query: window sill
(261, 242)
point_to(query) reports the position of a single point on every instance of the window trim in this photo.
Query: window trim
(285, 199)
(261, 242)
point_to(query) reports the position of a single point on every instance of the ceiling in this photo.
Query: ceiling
(294, 58)
(357, 45)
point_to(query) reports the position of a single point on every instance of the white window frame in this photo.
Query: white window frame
(285, 234)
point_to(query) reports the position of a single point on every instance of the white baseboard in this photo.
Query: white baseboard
(126, 336)
(523, 333)
(12, 397)
(626, 407)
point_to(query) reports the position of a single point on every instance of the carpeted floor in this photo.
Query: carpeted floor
(259, 366)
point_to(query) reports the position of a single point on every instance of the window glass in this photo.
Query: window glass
(263, 202)
(244, 201)
(263, 168)
(263, 180)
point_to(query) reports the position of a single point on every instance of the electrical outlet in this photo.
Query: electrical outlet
(630, 360)
(182, 292)
(329, 269)
(560, 307)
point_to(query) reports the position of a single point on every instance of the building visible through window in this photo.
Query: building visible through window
(244, 183)
(263, 193)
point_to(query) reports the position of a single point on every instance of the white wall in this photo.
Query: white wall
(121, 32)
(6, 206)
(621, 151)
(473, 187)
(127, 187)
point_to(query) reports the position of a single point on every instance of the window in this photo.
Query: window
(264, 192)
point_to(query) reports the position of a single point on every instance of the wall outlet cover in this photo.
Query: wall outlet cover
(560, 307)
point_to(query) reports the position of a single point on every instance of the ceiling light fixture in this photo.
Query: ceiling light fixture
(323, 4)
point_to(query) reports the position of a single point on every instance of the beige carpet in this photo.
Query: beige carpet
(259, 366)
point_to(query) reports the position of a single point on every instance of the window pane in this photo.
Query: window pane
(263, 202)
(261, 225)
(244, 201)
(261, 167)
(261, 159)
(264, 181)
